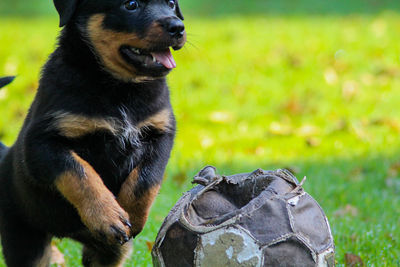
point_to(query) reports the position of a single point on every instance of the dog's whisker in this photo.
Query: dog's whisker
(192, 45)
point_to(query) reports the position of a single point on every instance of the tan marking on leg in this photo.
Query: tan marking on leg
(138, 208)
(160, 121)
(141, 209)
(74, 126)
(95, 204)
(126, 194)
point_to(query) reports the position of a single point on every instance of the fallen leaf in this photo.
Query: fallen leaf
(293, 106)
(221, 116)
(206, 142)
(11, 67)
(277, 128)
(294, 61)
(392, 124)
(349, 90)
(260, 151)
(360, 131)
(57, 258)
(357, 174)
(352, 260)
(394, 170)
(307, 130)
(341, 125)
(367, 79)
(347, 210)
(180, 178)
(313, 142)
(378, 27)
(330, 76)
(3, 93)
(149, 245)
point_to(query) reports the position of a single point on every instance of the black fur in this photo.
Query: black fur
(75, 81)
(6, 80)
(3, 82)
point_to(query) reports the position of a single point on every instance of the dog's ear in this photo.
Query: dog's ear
(66, 9)
(6, 80)
(178, 11)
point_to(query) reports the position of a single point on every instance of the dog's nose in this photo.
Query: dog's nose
(174, 27)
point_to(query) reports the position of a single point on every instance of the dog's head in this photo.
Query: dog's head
(131, 38)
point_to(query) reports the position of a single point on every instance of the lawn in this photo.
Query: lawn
(314, 91)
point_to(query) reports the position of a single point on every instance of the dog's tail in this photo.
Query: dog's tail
(3, 82)
(6, 80)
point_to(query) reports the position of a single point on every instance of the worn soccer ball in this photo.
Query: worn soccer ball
(264, 218)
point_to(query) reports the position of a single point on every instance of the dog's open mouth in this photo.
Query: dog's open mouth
(160, 60)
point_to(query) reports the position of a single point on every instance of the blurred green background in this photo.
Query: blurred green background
(308, 85)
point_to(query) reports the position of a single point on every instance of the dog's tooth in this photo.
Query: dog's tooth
(137, 51)
(154, 59)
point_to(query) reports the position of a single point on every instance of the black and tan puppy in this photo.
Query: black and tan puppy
(92, 152)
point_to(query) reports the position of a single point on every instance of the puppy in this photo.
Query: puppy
(92, 152)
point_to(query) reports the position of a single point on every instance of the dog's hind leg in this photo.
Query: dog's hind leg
(24, 246)
(108, 256)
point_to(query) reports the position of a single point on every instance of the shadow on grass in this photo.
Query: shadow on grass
(234, 7)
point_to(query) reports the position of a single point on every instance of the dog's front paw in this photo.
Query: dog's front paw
(109, 223)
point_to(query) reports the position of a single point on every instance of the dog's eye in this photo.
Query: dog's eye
(131, 5)
(171, 3)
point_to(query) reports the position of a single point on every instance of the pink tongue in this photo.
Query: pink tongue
(165, 58)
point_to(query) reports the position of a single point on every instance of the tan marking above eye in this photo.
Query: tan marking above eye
(160, 121)
(74, 126)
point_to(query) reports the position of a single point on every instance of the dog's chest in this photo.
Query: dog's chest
(113, 145)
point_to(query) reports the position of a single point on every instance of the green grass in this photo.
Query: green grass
(316, 93)
(218, 8)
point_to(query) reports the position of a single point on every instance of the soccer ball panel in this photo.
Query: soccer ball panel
(290, 253)
(228, 247)
(309, 220)
(178, 246)
(269, 222)
(209, 206)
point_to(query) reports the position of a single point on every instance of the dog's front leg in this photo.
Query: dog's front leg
(50, 164)
(141, 187)
(96, 205)
(137, 202)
